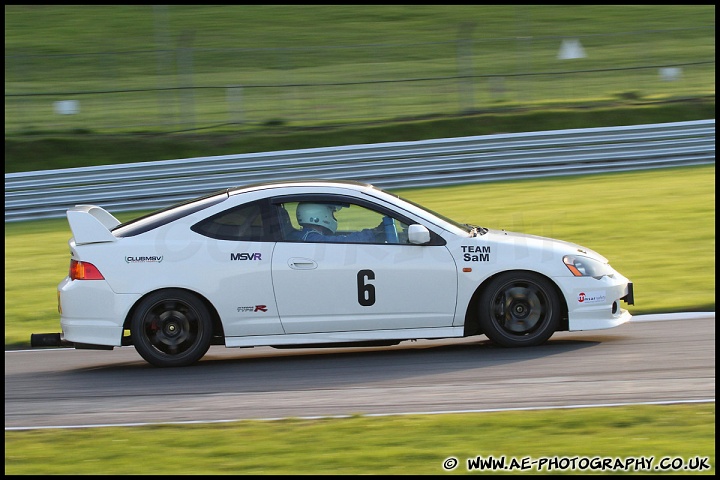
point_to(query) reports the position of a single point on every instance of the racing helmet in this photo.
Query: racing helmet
(317, 214)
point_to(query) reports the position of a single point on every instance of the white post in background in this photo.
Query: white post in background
(233, 95)
(185, 74)
(570, 49)
(465, 67)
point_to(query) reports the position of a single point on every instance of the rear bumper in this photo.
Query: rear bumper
(91, 313)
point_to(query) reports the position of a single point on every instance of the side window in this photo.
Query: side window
(243, 223)
(355, 218)
(338, 222)
(287, 221)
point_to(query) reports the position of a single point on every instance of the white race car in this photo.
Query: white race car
(310, 263)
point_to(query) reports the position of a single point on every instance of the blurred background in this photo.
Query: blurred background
(150, 68)
(91, 85)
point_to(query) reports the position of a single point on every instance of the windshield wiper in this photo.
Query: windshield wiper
(476, 230)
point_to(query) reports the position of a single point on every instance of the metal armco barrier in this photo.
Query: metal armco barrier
(428, 163)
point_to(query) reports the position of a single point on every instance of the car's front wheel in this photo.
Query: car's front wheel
(171, 328)
(519, 309)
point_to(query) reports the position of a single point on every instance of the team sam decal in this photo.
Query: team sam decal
(476, 253)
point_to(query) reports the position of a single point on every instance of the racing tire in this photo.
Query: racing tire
(519, 309)
(171, 328)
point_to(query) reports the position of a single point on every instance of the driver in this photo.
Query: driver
(319, 225)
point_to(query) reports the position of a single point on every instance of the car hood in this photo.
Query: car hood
(560, 246)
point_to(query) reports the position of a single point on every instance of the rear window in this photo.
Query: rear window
(166, 215)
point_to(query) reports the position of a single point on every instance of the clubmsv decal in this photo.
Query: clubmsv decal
(156, 259)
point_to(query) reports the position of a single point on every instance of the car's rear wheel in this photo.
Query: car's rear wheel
(519, 309)
(171, 328)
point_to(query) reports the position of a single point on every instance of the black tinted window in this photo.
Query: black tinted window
(243, 223)
(166, 215)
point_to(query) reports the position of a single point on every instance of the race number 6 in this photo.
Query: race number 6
(366, 291)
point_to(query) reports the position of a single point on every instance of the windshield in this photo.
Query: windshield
(437, 218)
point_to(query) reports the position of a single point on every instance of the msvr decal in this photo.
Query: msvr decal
(245, 256)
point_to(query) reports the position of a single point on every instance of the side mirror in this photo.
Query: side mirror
(418, 234)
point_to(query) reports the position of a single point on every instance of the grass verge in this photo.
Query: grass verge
(401, 445)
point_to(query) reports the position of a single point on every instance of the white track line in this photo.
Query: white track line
(367, 415)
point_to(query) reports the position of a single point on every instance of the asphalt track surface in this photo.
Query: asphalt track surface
(648, 360)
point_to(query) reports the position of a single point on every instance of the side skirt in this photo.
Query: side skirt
(307, 339)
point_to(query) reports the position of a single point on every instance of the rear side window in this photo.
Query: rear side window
(245, 223)
(166, 215)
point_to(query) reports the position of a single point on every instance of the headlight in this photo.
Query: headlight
(586, 266)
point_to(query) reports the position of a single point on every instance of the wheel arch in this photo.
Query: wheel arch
(218, 331)
(472, 320)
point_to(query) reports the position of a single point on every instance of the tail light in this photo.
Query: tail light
(84, 271)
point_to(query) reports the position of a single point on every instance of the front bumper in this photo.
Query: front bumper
(595, 304)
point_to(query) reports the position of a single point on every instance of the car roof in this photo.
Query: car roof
(351, 184)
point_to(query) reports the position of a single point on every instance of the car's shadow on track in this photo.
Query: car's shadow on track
(265, 369)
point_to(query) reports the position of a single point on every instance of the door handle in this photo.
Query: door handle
(302, 263)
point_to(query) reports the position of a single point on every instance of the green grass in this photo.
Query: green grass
(29, 27)
(400, 445)
(305, 65)
(656, 227)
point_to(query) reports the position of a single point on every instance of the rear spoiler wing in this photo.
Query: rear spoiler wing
(91, 224)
